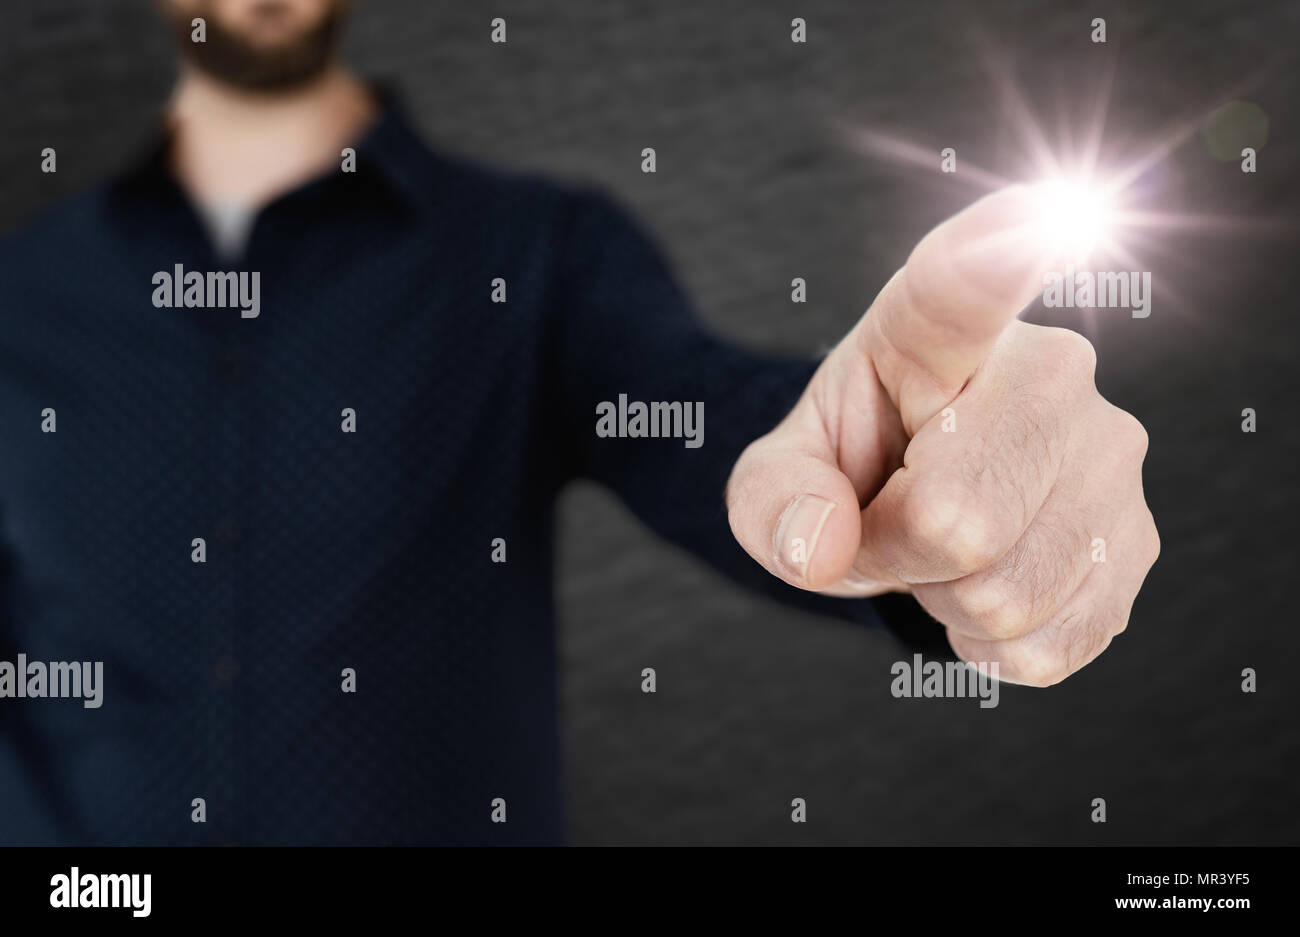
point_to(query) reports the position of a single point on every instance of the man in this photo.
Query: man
(287, 405)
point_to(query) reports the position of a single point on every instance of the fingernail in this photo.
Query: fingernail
(800, 528)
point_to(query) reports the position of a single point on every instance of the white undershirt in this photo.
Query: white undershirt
(228, 227)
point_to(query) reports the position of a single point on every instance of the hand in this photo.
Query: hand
(946, 449)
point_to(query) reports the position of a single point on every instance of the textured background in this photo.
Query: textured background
(756, 185)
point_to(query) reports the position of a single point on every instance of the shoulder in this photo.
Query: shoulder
(57, 239)
(551, 221)
(66, 218)
(524, 197)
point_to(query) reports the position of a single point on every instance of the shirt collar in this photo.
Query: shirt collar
(394, 148)
(401, 161)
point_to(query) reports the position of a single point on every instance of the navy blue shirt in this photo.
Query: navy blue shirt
(349, 457)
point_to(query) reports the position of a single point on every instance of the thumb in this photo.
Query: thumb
(791, 507)
(936, 320)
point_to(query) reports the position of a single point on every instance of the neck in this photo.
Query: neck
(240, 148)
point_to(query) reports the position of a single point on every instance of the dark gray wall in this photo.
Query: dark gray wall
(757, 704)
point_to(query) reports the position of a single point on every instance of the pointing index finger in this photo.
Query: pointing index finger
(937, 318)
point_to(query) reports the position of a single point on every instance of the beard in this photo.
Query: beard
(231, 58)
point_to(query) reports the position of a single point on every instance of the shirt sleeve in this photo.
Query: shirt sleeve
(628, 335)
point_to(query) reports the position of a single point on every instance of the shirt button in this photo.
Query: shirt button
(227, 532)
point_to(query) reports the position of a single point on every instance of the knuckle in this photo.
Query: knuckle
(1072, 354)
(1036, 575)
(967, 649)
(1076, 641)
(959, 535)
(1121, 626)
(996, 608)
(1137, 436)
(1130, 434)
(1038, 669)
(1150, 539)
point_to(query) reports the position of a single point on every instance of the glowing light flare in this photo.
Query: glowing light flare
(1099, 203)
(1074, 217)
